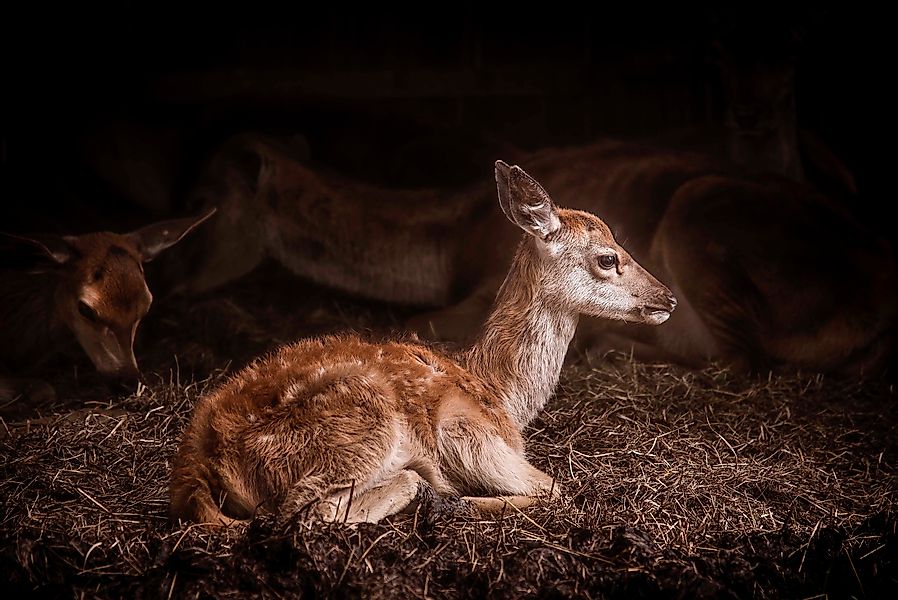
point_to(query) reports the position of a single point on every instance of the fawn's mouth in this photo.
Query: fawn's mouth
(655, 315)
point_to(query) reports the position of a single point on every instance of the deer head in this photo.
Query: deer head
(101, 294)
(584, 269)
(760, 94)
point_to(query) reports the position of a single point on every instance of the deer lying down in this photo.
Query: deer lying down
(348, 429)
(90, 285)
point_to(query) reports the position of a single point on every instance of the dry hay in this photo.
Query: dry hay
(694, 484)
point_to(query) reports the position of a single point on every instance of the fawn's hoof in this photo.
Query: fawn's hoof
(434, 507)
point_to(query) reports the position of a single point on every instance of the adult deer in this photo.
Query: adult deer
(90, 286)
(349, 429)
(757, 262)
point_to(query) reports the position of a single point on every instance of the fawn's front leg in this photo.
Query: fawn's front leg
(476, 457)
(388, 497)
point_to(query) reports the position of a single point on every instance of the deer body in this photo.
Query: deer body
(349, 429)
(88, 288)
(272, 206)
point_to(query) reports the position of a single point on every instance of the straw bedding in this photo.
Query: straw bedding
(677, 483)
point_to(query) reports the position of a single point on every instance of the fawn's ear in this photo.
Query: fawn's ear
(525, 202)
(153, 239)
(58, 248)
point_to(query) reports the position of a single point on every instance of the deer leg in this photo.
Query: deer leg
(478, 458)
(327, 446)
(386, 498)
(498, 505)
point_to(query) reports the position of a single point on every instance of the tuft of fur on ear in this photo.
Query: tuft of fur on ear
(153, 239)
(525, 202)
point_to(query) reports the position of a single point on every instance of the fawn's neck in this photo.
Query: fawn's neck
(523, 344)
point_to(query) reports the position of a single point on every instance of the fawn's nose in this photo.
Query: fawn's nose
(672, 301)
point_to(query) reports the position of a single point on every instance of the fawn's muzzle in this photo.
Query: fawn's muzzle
(659, 311)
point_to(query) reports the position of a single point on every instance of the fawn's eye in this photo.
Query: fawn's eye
(87, 312)
(608, 261)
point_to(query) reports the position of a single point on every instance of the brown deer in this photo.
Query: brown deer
(91, 286)
(757, 262)
(349, 429)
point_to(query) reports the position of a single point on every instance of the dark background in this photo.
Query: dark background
(420, 94)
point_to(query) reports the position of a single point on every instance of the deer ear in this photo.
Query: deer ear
(153, 239)
(58, 248)
(525, 202)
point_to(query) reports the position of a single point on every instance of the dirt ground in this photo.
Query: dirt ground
(686, 484)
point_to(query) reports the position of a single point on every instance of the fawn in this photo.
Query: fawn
(89, 285)
(349, 429)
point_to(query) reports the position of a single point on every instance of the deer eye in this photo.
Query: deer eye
(608, 261)
(87, 312)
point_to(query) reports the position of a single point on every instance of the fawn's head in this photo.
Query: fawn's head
(102, 294)
(584, 268)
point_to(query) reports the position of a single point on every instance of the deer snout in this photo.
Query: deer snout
(125, 371)
(671, 301)
(658, 310)
(111, 353)
(127, 379)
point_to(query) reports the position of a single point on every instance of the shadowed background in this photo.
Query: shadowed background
(110, 111)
